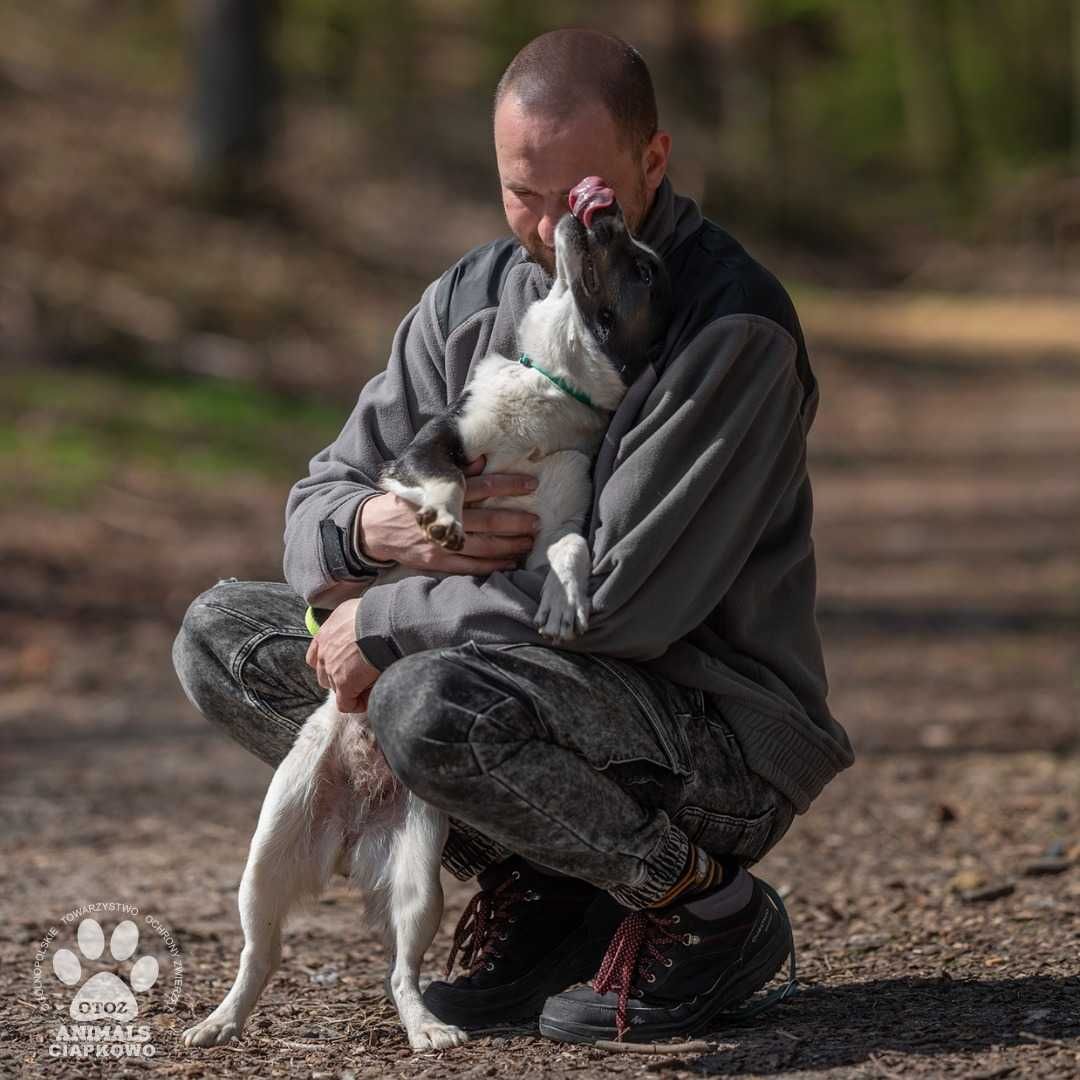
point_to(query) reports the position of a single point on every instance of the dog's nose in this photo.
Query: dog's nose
(604, 228)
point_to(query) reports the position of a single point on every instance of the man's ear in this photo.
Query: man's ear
(655, 160)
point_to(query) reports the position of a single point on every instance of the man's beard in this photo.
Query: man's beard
(634, 213)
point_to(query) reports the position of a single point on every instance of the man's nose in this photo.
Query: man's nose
(546, 228)
(553, 214)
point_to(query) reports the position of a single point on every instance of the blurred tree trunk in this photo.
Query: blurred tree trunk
(1075, 43)
(937, 134)
(234, 91)
(690, 67)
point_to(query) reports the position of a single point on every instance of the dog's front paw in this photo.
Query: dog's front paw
(441, 527)
(213, 1031)
(435, 1035)
(564, 610)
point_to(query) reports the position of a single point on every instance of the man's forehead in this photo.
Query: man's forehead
(541, 143)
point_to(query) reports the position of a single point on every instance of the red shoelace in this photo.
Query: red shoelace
(482, 923)
(639, 939)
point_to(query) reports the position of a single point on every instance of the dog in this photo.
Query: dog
(333, 803)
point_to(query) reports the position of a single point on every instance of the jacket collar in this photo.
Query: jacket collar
(670, 220)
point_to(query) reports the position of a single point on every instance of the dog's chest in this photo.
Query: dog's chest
(514, 412)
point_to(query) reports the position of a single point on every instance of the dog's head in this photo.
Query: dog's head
(620, 287)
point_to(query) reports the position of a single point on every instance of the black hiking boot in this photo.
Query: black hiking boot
(668, 973)
(523, 937)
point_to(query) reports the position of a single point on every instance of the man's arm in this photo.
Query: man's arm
(325, 560)
(320, 548)
(719, 442)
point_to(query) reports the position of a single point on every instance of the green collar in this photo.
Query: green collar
(558, 380)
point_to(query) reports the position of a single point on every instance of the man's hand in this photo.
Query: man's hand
(494, 539)
(338, 662)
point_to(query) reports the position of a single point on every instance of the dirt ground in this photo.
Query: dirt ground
(934, 888)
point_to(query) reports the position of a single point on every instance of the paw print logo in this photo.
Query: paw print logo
(105, 996)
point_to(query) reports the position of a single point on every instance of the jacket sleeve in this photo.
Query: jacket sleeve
(321, 509)
(718, 442)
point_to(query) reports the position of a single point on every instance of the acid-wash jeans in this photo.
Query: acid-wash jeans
(584, 764)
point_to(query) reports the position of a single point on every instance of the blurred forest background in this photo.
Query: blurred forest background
(259, 190)
(214, 214)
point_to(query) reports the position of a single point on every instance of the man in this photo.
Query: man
(610, 794)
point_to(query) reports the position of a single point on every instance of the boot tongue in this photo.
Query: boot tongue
(494, 876)
(590, 196)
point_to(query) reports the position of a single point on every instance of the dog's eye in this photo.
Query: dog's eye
(645, 274)
(606, 318)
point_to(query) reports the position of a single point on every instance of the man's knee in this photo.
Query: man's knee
(196, 651)
(432, 713)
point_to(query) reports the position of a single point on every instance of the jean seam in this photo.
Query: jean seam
(242, 656)
(678, 767)
(543, 812)
(746, 824)
(552, 820)
(522, 691)
(256, 624)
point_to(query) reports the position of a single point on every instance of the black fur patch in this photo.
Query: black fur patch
(437, 452)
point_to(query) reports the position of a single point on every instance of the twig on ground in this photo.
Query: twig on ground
(309, 1046)
(695, 1047)
(1047, 1042)
(884, 1070)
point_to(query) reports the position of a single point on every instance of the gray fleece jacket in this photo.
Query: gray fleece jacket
(703, 564)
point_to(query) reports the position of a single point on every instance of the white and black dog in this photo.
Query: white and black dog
(333, 803)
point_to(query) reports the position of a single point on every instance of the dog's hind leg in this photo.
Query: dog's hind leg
(293, 853)
(415, 904)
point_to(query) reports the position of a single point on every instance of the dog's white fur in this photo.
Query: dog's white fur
(333, 803)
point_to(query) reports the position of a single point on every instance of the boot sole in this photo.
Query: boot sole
(752, 979)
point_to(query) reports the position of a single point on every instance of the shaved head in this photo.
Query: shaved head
(557, 73)
(575, 103)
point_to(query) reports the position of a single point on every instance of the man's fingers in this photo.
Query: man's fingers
(459, 564)
(312, 653)
(349, 702)
(483, 487)
(499, 522)
(485, 546)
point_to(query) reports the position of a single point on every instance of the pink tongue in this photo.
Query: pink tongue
(590, 195)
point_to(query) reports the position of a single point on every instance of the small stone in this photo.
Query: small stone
(1036, 1015)
(988, 892)
(865, 942)
(966, 880)
(1055, 850)
(945, 813)
(1047, 866)
(327, 975)
(936, 736)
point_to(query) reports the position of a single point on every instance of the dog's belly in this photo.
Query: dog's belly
(353, 785)
(563, 492)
